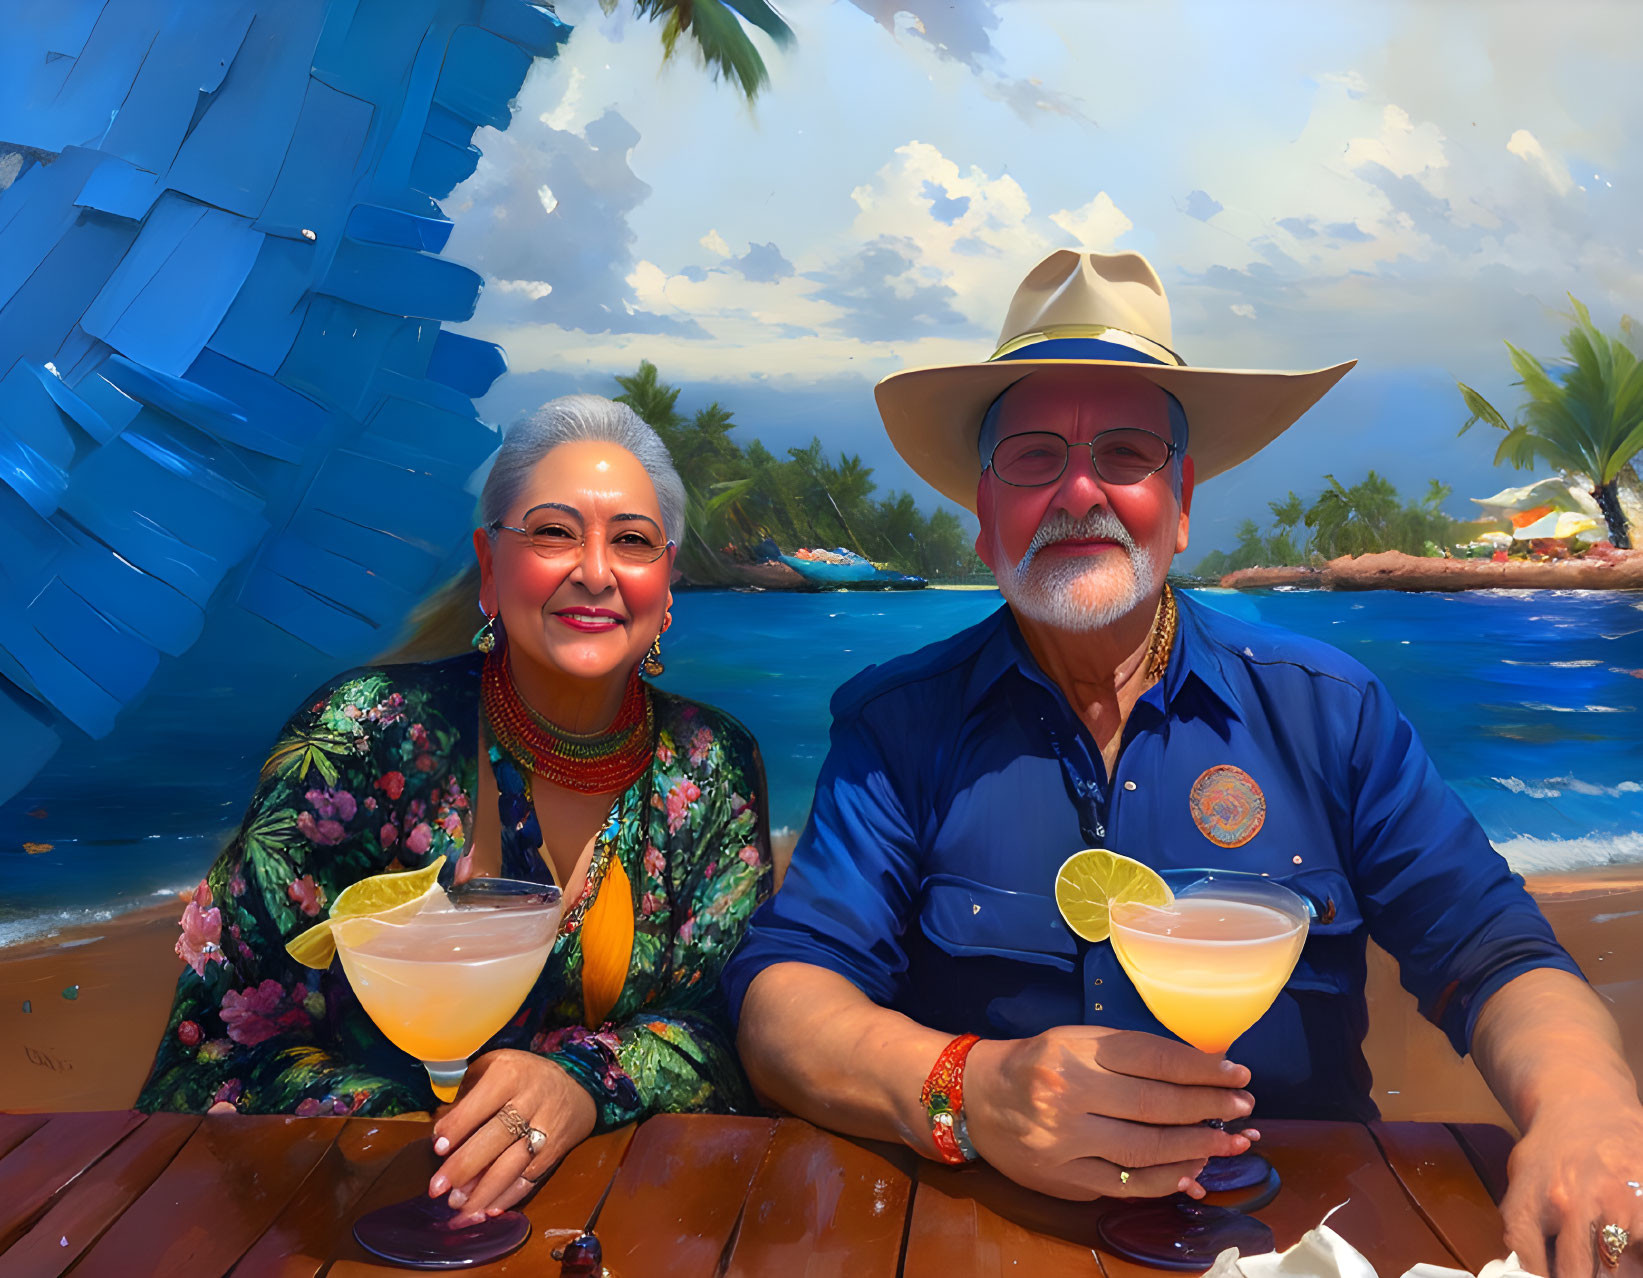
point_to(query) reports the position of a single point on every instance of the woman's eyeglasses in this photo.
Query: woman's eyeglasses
(1038, 457)
(562, 542)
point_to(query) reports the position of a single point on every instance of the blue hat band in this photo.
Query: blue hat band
(1079, 348)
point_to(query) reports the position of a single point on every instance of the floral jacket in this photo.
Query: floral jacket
(380, 772)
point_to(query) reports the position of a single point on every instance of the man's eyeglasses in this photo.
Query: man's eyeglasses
(558, 540)
(1038, 457)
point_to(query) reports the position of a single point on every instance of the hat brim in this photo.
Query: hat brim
(933, 415)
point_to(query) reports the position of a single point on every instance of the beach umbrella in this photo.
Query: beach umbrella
(1557, 525)
(1557, 492)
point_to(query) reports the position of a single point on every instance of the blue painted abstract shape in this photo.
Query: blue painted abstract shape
(225, 393)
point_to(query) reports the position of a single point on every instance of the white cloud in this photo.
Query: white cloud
(715, 244)
(979, 251)
(549, 201)
(566, 115)
(1527, 148)
(1097, 226)
(1400, 145)
(536, 290)
(1244, 309)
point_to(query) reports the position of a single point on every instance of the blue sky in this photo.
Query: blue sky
(1402, 183)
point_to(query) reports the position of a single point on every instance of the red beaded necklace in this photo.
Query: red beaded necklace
(589, 763)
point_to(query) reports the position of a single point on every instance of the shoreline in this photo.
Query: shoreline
(97, 996)
(1394, 570)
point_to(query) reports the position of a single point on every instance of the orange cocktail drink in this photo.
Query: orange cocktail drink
(439, 985)
(1209, 965)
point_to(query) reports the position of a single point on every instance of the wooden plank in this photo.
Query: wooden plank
(1487, 1147)
(558, 1211)
(221, 1191)
(304, 1234)
(1326, 1164)
(561, 1209)
(674, 1204)
(1439, 1180)
(33, 1173)
(17, 1128)
(93, 1202)
(406, 1176)
(822, 1205)
(971, 1222)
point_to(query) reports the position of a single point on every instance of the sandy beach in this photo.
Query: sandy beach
(81, 1012)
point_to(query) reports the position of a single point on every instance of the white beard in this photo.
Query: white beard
(1079, 594)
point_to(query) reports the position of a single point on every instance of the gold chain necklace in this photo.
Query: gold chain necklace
(1163, 636)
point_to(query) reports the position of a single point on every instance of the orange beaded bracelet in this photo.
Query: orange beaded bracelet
(943, 1099)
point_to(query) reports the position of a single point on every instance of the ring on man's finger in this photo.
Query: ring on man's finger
(1612, 1241)
(1124, 1174)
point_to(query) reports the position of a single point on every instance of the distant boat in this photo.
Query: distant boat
(841, 569)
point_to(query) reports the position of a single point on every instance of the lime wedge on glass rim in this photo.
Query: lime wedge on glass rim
(1090, 882)
(382, 896)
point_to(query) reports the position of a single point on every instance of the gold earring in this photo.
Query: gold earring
(485, 637)
(653, 659)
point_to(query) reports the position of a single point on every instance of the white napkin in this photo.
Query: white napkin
(1323, 1253)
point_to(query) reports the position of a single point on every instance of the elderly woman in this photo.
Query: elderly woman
(542, 756)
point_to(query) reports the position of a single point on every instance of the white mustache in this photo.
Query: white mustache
(1101, 524)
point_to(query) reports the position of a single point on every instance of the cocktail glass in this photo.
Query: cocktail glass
(439, 982)
(1208, 967)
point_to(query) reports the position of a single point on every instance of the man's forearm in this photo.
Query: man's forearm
(816, 1046)
(1545, 1036)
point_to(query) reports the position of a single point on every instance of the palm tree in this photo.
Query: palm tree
(716, 27)
(1353, 521)
(1281, 547)
(1585, 418)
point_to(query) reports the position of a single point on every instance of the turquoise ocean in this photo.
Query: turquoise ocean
(1530, 702)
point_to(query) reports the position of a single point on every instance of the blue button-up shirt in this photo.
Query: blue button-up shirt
(959, 779)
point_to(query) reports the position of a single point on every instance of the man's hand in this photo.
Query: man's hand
(1068, 1111)
(1569, 1178)
(488, 1169)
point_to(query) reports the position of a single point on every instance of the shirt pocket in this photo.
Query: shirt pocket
(974, 920)
(1326, 963)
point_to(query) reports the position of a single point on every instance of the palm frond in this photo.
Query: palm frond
(716, 29)
(1481, 409)
(1628, 448)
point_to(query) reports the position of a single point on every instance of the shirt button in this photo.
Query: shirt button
(1129, 785)
(1096, 1007)
(1098, 980)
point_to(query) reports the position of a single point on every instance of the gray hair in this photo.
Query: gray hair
(568, 420)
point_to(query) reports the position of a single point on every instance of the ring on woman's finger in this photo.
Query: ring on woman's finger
(1612, 1242)
(535, 1140)
(513, 1121)
(1124, 1174)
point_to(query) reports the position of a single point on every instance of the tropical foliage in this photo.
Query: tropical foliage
(741, 495)
(715, 27)
(1584, 416)
(1364, 519)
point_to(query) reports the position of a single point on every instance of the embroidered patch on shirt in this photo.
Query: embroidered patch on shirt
(1227, 805)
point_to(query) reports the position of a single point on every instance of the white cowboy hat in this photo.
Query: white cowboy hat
(1099, 310)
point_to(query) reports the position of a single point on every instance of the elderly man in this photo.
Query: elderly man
(1098, 708)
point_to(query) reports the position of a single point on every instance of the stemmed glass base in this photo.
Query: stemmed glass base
(417, 1234)
(1181, 1234)
(1185, 1234)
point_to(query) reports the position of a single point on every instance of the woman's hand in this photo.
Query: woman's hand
(1081, 1112)
(1578, 1167)
(488, 1169)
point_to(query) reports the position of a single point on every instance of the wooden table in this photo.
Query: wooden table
(120, 1194)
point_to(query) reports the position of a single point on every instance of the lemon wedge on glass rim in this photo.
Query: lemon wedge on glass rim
(1090, 882)
(382, 896)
